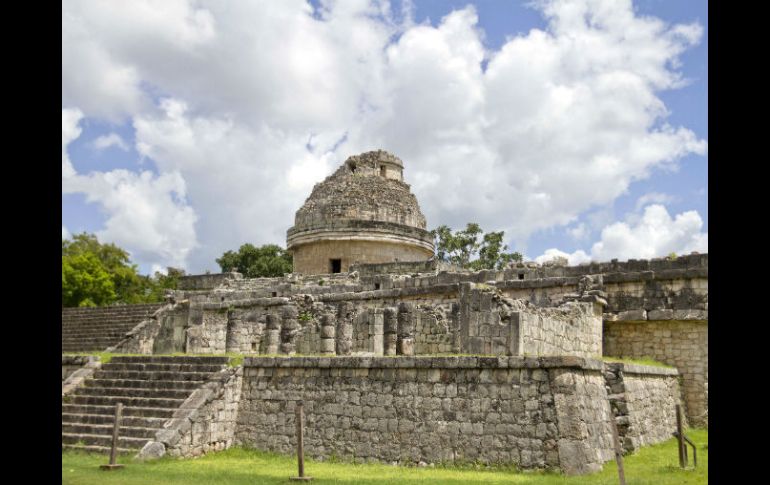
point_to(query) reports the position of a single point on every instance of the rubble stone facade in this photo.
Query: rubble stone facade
(362, 213)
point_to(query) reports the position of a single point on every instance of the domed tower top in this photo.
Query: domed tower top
(378, 162)
(362, 213)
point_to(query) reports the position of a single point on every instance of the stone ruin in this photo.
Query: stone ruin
(405, 361)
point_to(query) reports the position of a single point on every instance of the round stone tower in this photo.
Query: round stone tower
(362, 213)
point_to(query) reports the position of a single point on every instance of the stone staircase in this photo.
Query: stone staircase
(151, 388)
(95, 329)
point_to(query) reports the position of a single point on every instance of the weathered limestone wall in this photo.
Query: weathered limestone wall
(76, 369)
(492, 324)
(205, 421)
(648, 292)
(72, 363)
(432, 265)
(160, 333)
(644, 400)
(683, 344)
(578, 331)
(417, 321)
(535, 413)
(206, 281)
(314, 258)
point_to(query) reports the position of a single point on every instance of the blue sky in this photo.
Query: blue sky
(185, 133)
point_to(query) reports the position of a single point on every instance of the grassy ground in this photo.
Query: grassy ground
(653, 465)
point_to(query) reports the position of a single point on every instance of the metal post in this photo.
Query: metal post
(618, 450)
(300, 418)
(680, 437)
(115, 429)
(694, 452)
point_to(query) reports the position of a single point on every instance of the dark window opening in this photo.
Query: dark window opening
(253, 346)
(382, 171)
(336, 265)
(275, 293)
(521, 276)
(376, 286)
(223, 298)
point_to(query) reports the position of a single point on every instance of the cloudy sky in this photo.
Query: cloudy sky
(579, 127)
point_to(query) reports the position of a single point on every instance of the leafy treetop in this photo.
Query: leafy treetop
(96, 274)
(269, 260)
(460, 247)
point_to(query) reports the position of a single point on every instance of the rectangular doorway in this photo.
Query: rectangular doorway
(335, 265)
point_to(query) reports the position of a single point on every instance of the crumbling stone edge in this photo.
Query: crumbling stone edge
(141, 327)
(90, 363)
(178, 436)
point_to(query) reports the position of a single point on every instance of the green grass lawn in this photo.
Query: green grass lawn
(653, 465)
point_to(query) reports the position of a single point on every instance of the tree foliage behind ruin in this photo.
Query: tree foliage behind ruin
(269, 260)
(96, 274)
(463, 247)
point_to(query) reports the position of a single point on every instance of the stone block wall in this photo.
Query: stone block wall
(682, 344)
(206, 281)
(314, 258)
(535, 413)
(454, 318)
(72, 363)
(575, 329)
(643, 399)
(75, 369)
(204, 422)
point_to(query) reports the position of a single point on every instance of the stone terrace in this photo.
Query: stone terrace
(95, 329)
(151, 390)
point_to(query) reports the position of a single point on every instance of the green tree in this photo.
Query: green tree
(461, 247)
(157, 285)
(95, 274)
(115, 261)
(85, 281)
(254, 262)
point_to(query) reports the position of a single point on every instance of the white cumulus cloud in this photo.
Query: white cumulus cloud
(106, 141)
(656, 234)
(146, 214)
(243, 105)
(70, 130)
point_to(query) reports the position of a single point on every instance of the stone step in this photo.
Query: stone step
(102, 320)
(95, 333)
(102, 450)
(96, 319)
(67, 338)
(106, 430)
(157, 392)
(151, 402)
(100, 324)
(90, 341)
(105, 373)
(74, 323)
(170, 359)
(107, 419)
(112, 309)
(102, 440)
(109, 410)
(141, 384)
(163, 367)
(98, 345)
(85, 348)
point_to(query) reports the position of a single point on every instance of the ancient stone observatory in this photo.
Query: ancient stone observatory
(362, 213)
